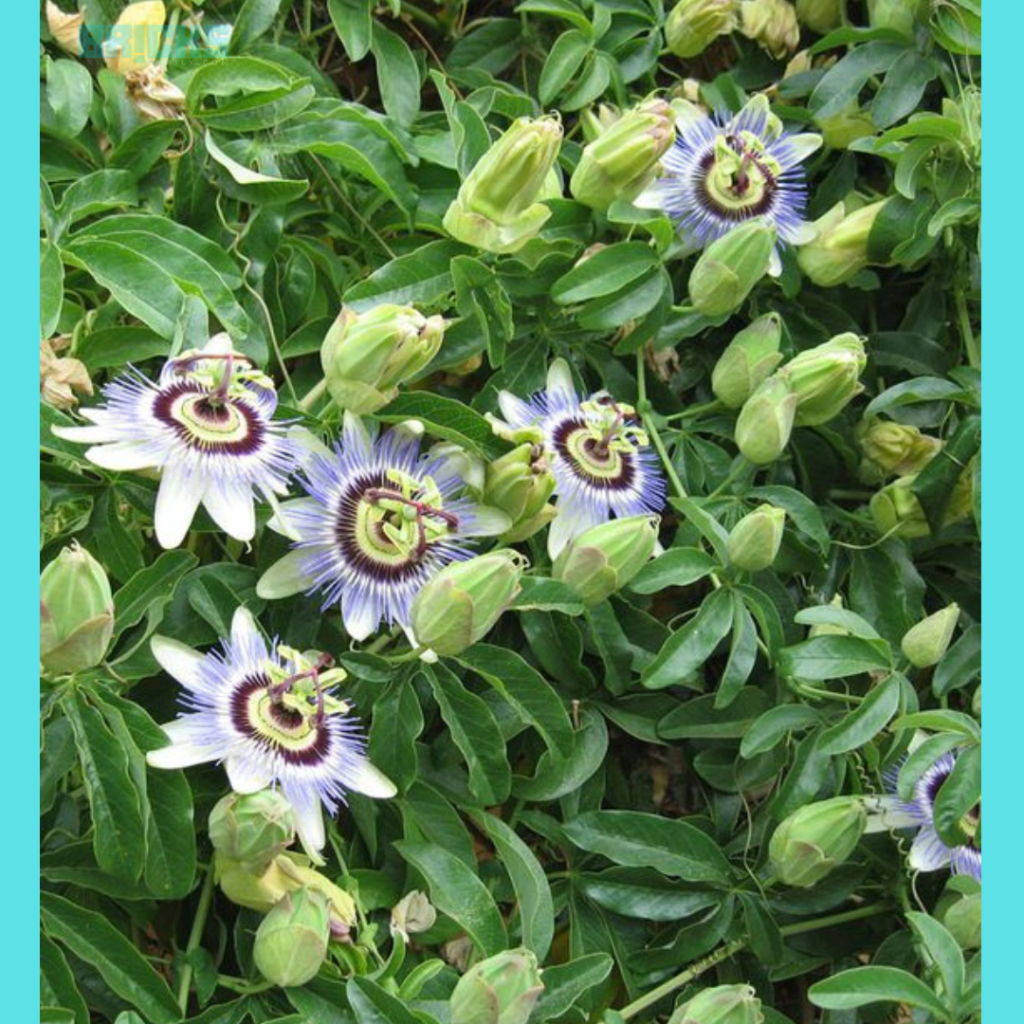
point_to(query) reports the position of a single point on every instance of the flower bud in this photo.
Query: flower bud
(772, 24)
(412, 914)
(65, 28)
(464, 600)
(606, 557)
(623, 158)
(842, 129)
(60, 377)
(747, 361)
(519, 484)
(825, 378)
(815, 839)
(693, 25)
(963, 919)
(500, 204)
(730, 266)
(723, 1004)
(897, 512)
(925, 643)
(76, 612)
(291, 941)
(820, 16)
(755, 540)
(839, 250)
(895, 447)
(898, 15)
(252, 828)
(499, 990)
(766, 421)
(365, 356)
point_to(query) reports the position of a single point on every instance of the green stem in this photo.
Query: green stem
(167, 50)
(314, 395)
(644, 408)
(241, 986)
(194, 938)
(802, 927)
(696, 410)
(814, 692)
(966, 331)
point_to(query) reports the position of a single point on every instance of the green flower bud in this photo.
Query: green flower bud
(623, 158)
(839, 250)
(499, 990)
(748, 361)
(815, 839)
(291, 941)
(898, 15)
(755, 540)
(925, 643)
(693, 25)
(825, 378)
(519, 484)
(766, 421)
(252, 828)
(976, 702)
(820, 16)
(723, 1004)
(499, 206)
(365, 356)
(595, 120)
(896, 510)
(963, 919)
(730, 266)
(464, 600)
(76, 612)
(606, 557)
(772, 24)
(895, 447)
(841, 130)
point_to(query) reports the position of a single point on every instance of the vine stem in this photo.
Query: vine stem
(644, 408)
(315, 392)
(699, 967)
(194, 938)
(970, 341)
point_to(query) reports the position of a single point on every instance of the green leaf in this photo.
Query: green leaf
(866, 721)
(374, 1005)
(254, 19)
(69, 93)
(445, 418)
(479, 296)
(605, 272)
(842, 618)
(51, 289)
(562, 62)
(957, 796)
(475, 733)
(633, 839)
(742, 654)
(802, 511)
(353, 21)
(421, 277)
(702, 718)
(845, 79)
(457, 892)
(706, 525)
(150, 590)
(397, 722)
(566, 984)
(398, 75)
(863, 985)
(834, 657)
(140, 150)
(677, 567)
(57, 983)
(557, 776)
(942, 949)
(960, 665)
(688, 648)
(540, 593)
(904, 85)
(935, 483)
(92, 938)
(644, 894)
(253, 186)
(774, 725)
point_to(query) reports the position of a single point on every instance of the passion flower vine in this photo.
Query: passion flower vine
(271, 718)
(381, 519)
(597, 452)
(206, 427)
(722, 171)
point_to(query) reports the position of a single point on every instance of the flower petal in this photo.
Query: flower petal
(485, 521)
(177, 660)
(928, 852)
(184, 750)
(572, 519)
(247, 775)
(176, 504)
(285, 577)
(369, 781)
(358, 614)
(87, 435)
(355, 437)
(560, 378)
(244, 630)
(803, 145)
(517, 413)
(232, 509)
(309, 819)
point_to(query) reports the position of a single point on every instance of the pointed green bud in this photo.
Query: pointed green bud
(828, 628)
(926, 643)
(963, 919)
(755, 540)
(291, 941)
(519, 484)
(365, 356)
(76, 612)
(772, 24)
(815, 839)
(502, 989)
(693, 25)
(839, 249)
(595, 120)
(895, 447)
(821, 16)
(464, 600)
(730, 267)
(898, 15)
(606, 557)
(747, 361)
(499, 207)
(623, 158)
(723, 1004)
(825, 378)
(766, 421)
(252, 828)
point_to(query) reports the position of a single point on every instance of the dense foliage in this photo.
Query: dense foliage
(662, 759)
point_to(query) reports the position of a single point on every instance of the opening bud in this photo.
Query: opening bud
(815, 839)
(365, 356)
(520, 483)
(926, 643)
(606, 557)
(895, 447)
(464, 600)
(252, 828)
(766, 421)
(825, 378)
(748, 360)
(723, 1004)
(291, 941)
(502, 989)
(693, 25)
(896, 510)
(772, 24)
(839, 249)
(730, 267)
(76, 612)
(755, 540)
(412, 914)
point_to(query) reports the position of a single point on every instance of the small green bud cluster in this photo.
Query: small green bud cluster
(815, 839)
(503, 989)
